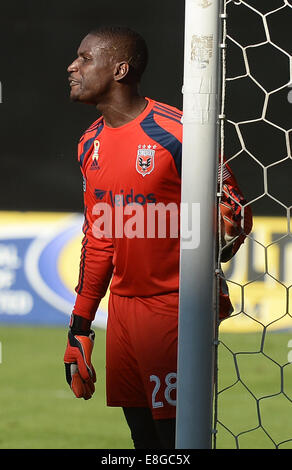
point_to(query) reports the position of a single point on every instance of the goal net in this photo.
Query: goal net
(253, 397)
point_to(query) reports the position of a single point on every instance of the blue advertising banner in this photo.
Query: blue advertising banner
(39, 265)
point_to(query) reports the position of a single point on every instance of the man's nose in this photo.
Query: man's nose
(73, 67)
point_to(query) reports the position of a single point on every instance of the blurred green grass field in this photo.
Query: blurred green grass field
(255, 390)
(38, 410)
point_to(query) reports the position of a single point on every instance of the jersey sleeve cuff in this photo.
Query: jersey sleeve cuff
(86, 307)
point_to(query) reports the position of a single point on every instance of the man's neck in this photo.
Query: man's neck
(122, 109)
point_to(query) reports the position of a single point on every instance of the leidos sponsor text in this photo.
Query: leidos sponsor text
(123, 198)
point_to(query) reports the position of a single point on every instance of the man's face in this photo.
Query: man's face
(91, 73)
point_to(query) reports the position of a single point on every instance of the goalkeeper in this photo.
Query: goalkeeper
(130, 159)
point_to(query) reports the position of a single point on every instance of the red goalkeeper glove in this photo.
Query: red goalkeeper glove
(231, 215)
(80, 373)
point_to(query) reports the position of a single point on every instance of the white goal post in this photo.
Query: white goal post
(253, 89)
(197, 267)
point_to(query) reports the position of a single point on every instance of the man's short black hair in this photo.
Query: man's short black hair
(129, 45)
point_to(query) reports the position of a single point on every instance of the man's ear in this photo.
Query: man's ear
(121, 70)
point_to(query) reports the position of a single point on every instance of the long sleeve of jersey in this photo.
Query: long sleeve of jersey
(95, 261)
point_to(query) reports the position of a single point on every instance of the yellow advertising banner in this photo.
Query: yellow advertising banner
(259, 278)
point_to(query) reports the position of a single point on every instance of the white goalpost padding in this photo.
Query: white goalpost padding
(197, 267)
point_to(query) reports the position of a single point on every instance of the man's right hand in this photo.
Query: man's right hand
(80, 373)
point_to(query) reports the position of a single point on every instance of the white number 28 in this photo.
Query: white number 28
(170, 382)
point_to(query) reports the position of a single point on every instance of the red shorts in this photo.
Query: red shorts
(141, 353)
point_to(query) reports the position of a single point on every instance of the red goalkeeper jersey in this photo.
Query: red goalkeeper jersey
(132, 189)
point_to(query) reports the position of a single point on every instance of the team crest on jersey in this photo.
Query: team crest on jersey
(145, 159)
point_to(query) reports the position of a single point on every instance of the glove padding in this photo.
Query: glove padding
(80, 373)
(231, 216)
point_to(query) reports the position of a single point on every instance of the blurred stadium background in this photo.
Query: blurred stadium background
(41, 218)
